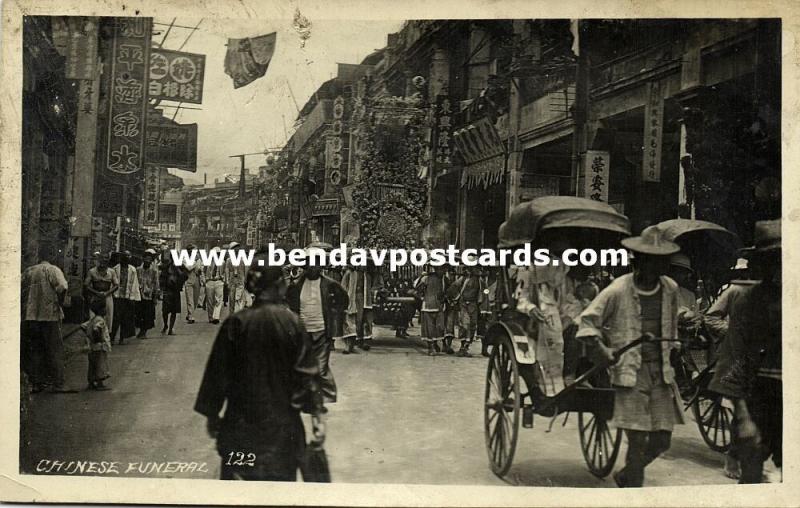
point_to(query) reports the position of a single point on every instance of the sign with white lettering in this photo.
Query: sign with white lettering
(128, 95)
(152, 183)
(176, 76)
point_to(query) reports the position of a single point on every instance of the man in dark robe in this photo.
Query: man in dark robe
(262, 365)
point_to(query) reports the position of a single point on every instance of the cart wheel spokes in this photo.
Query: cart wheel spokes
(502, 407)
(599, 444)
(714, 420)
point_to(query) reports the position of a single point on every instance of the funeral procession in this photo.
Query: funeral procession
(501, 252)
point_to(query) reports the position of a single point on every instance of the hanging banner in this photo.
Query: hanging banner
(597, 165)
(176, 76)
(81, 49)
(152, 181)
(478, 141)
(248, 59)
(128, 95)
(173, 146)
(653, 119)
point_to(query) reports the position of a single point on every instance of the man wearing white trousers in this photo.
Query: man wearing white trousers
(214, 291)
(234, 276)
(193, 288)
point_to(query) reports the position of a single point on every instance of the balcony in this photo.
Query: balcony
(319, 116)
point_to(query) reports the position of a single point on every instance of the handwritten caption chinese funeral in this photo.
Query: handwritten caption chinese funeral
(115, 468)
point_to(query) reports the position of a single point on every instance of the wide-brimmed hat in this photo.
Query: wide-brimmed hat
(150, 251)
(651, 241)
(766, 236)
(233, 245)
(681, 260)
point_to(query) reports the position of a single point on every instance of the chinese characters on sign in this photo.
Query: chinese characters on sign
(442, 145)
(151, 192)
(334, 148)
(81, 54)
(596, 171)
(653, 119)
(176, 76)
(172, 145)
(128, 97)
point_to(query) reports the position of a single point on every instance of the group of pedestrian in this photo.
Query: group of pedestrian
(453, 306)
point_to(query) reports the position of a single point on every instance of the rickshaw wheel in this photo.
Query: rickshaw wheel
(502, 406)
(714, 420)
(600, 446)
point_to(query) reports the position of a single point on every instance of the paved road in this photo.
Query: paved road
(402, 417)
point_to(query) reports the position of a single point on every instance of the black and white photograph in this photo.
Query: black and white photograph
(156, 149)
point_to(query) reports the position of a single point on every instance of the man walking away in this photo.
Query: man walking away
(749, 371)
(644, 303)
(262, 369)
(43, 290)
(214, 290)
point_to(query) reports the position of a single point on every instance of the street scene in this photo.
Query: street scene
(144, 137)
(421, 409)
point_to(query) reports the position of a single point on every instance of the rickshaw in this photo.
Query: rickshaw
(506, 401)
(710, 247)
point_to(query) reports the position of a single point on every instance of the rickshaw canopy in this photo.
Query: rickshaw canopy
(529, 219)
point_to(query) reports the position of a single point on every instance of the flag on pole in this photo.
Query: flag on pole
(247, 59)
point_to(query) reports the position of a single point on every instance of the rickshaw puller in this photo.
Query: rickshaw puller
(646, 402)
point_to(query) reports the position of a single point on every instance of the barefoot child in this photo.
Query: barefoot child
(99, 346)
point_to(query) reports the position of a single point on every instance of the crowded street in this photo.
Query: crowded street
(505, 252)
(402, 417)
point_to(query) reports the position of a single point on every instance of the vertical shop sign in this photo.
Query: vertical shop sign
(127, 114)
(653, 128)
(81, 51)
(151, 192)
(442, 133)
(596, 171)
(334, 145)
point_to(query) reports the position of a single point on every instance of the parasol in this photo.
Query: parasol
(711, 248)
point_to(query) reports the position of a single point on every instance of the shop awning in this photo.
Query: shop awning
(484, 173)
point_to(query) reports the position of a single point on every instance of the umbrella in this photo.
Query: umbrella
(712, 248)
(699, 237)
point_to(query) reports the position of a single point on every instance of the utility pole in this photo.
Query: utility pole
(581, 110)
(241, 156)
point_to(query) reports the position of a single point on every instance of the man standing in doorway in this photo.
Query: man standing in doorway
(641, 304)
(43, 290)
(214, 290)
